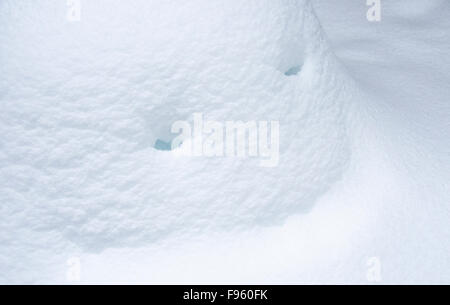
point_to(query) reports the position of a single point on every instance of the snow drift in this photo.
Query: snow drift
(84, 104)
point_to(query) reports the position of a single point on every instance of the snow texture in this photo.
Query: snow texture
(86, 114)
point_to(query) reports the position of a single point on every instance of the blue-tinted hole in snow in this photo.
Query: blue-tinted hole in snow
(293, 71)
(162, 145)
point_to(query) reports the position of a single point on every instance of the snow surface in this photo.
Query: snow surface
(364, 152)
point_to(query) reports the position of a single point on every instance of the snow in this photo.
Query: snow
(86, 171)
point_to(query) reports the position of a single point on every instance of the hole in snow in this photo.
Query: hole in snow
(159, 122)
(293, 71)
(163, 145)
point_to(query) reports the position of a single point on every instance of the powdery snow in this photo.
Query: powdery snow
(361, 174)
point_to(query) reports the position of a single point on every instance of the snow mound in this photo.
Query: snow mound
(84, 104)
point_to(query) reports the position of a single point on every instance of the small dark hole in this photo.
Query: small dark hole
(293, 71)
(162, 145)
